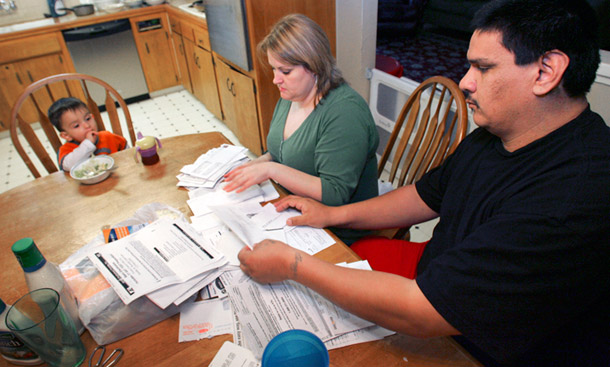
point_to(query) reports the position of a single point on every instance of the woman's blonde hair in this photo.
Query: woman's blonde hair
(297, 40)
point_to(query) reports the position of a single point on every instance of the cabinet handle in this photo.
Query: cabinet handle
(230, 88)
(147, 49)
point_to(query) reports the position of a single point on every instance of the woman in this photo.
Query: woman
(322, 139)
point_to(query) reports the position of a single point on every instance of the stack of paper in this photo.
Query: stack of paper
(265, 310)
(165, 261)
(210, 167)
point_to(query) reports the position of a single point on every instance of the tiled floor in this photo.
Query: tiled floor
(165, 116)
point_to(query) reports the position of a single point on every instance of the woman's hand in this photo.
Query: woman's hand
(270, 261)
(246, 175)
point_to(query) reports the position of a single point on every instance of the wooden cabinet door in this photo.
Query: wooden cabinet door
(203, 77)
(15, 77)
(183, 70)
(239, 105)
(155, 51)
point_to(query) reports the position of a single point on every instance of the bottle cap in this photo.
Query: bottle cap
(295, 348)
(28, 255)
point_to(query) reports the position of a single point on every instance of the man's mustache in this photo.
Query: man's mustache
(469, 98)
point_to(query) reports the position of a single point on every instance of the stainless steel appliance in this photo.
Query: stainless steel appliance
(108, 51)
(228, 32)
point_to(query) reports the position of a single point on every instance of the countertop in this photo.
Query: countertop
(71, 20)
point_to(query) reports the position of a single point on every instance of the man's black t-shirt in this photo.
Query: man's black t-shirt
(518, 262)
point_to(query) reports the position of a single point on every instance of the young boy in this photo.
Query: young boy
(76, 125)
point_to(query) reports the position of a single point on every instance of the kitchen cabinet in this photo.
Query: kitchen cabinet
(201, 67)
(152, 36)
(180, 52)
(24, 61)
(238, 103)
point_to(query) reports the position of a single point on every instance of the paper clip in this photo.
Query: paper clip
(108, 361)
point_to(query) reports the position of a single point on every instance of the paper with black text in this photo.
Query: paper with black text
(163, 253)
(267, 310)
(232, 355)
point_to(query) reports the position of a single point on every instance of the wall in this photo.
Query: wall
(599, 97)
(356, 41)
(28, 10)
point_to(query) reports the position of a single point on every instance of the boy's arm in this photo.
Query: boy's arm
(68, 159)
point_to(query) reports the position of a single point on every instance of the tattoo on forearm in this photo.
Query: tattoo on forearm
(297, 259)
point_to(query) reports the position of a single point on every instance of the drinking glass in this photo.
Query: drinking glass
(39, 320)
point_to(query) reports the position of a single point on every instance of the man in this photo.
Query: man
(517, 264)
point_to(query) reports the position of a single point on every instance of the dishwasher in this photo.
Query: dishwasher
(108, 52)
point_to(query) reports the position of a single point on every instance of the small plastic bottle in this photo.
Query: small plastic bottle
(39, 273)
(11, 348)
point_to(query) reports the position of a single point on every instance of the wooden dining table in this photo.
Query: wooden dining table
(62, 215)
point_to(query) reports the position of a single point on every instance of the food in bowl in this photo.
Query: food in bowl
(93, 170)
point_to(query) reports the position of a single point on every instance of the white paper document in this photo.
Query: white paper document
(232, 355)
(208, 170)
(205, 319)
(238, 218)
(267, 310)
(249, 225)
(201, 205)
(161, 254)
(269, 219)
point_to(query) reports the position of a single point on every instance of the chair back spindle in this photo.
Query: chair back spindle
(431, 124)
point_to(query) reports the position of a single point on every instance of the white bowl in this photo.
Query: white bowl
(112, 7)
(93, 170)
(132, 3)
(154, 2)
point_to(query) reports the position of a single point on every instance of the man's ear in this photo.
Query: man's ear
(551, 67)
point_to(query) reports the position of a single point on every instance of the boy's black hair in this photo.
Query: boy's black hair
(530, 28)
(62, 105)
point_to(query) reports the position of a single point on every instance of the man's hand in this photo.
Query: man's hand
(270, 261)
(313, 213)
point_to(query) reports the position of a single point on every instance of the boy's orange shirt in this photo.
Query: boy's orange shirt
(107, 143)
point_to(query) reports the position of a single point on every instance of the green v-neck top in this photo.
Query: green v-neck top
(336, 142)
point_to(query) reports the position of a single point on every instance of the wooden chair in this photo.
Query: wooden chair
(38, 97)
(430, 126)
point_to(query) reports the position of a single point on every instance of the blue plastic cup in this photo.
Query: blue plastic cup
(295, 348)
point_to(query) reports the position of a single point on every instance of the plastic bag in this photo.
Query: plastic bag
(106, 317)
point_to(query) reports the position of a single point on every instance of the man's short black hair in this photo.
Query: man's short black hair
(62, 105)
(530, 28)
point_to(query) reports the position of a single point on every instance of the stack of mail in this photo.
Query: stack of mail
(210, 167)
(166, 261)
